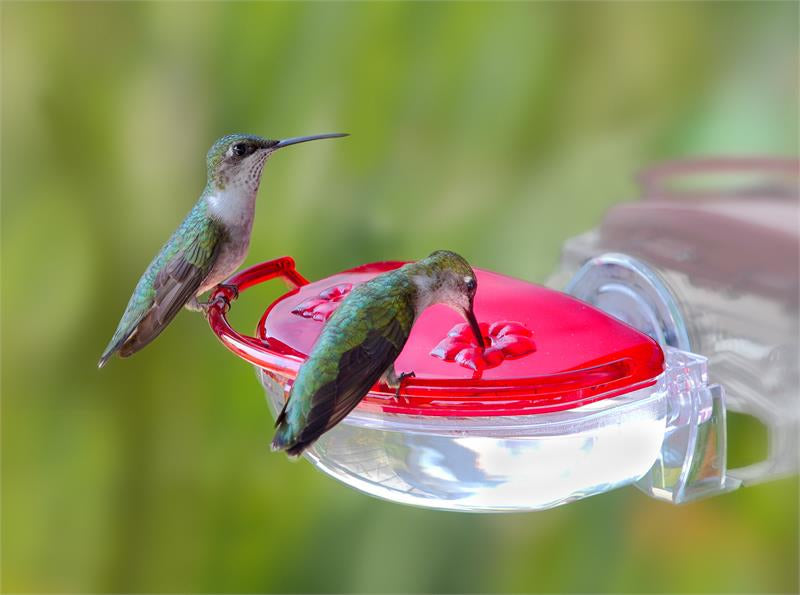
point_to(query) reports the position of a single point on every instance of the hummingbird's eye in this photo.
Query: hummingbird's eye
(241, 149)
(471, 284)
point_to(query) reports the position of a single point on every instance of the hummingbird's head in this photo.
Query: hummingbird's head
(446, 278)
(239, 158)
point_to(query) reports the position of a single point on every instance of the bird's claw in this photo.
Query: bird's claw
(400, 379)
(223, 295)
(231, 291)
(220, 301)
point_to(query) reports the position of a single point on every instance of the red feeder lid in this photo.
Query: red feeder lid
(546, 351)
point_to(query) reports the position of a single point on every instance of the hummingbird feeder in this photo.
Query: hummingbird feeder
(563, 402)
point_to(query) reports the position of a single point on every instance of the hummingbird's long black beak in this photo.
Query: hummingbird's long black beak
(302, 139)
(473, 323)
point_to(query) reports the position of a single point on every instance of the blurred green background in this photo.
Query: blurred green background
(494, 130)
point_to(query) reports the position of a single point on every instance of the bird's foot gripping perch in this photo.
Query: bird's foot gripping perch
(400, 379)
(394, 380)
(222, 295)
(229, 292)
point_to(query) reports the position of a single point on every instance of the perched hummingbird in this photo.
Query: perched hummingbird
(209, 245)
(362, 339)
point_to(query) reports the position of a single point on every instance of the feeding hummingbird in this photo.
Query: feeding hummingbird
(362, 339)
(207, 248)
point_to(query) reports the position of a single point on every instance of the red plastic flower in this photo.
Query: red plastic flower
(320, 308)
(504, 340)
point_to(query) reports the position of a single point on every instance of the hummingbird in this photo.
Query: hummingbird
(362, 339)
(208, 246)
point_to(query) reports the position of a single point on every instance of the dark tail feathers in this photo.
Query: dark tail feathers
(283, 441)
(284, 438)
(112, 348)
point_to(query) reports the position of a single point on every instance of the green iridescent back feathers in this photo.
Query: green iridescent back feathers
(189, 251)
(359, 342)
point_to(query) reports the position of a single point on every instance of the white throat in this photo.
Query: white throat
(234, 206)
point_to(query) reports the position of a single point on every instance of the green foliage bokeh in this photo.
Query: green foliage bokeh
(496, 130)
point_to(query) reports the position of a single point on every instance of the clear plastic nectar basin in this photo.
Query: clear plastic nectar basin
(566, 402)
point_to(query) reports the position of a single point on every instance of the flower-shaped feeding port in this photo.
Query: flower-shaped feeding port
(504, 339)
(320, 308)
